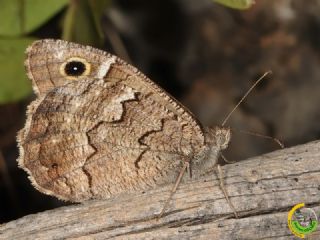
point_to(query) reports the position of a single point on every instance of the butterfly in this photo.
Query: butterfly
(99, 127)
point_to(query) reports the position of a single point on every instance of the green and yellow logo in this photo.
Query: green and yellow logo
(302, 221)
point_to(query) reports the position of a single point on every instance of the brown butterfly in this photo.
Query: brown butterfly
(99, 127)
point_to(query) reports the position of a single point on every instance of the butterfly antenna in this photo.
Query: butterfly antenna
(244, 96)
(276, 140)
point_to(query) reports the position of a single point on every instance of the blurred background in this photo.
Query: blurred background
(205, 54)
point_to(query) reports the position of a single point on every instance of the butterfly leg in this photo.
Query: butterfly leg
(222, 186)
(185, 166)
(226, 160)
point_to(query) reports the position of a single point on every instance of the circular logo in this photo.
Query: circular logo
(302, 221)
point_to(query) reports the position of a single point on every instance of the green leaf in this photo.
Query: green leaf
(97, 9)
(23, 16)
(82, 22)
(79, 25)
(14, 84)
(237, 4)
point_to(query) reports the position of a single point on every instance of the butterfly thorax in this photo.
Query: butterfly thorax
(217, 139)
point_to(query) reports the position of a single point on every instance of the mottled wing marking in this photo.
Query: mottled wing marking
(86, 145)
(94, 137)
(44, 58)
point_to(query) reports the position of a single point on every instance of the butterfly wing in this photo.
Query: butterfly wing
(102, 134)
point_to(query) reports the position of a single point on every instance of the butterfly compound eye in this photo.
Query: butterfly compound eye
(75, 67)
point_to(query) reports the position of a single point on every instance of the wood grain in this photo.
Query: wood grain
(263, 189)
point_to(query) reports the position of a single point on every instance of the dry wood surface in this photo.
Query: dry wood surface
(263, 189)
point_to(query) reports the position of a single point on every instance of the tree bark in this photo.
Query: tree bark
(263, 189)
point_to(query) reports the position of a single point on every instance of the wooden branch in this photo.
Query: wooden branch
(263, 189)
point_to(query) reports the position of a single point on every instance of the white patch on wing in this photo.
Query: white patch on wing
(105, 66)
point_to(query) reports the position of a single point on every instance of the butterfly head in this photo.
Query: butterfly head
(219, 137)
